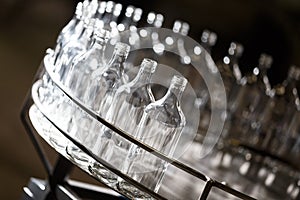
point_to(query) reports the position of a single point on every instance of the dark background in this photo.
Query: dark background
(28, 27)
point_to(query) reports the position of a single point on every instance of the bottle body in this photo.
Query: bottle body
(125, 113)
(160, 128)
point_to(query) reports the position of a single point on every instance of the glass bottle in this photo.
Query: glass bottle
(101, 10)
(127, 19)
(282, 107)
(114, 20)
(84, 64)
(74, 48)
(250, 102)
(160, 128)
(108, 12)
(71, 30)
(104, 82)
(287, 134)
(229, 68)
(208, 40)
(126, 111)
(290, 147)
(231, 76)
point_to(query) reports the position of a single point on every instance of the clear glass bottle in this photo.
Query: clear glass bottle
(107, 17)
(104, 82)
(231, 76)
(281, 109)
(74, 48)
(208, 40)
(229, 68)
(127, 19)
(290, 147)
(160, 128)
(126, 112)
(84, 64)
(71, 30)
(101, 10)
(250, 102)
(287, 135)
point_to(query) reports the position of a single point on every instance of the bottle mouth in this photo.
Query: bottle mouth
(89, 23)
(122, 49)
(265, 61)
(79, 9)
(179, 82)
(236, 49)
(102, 34)
(294, 72)
(148, 65)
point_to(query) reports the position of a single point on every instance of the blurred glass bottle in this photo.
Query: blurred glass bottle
(289, 146)
(250, 101)
(105, 81)
(208, 40)
(71, 30)
(282, 108)
(231, 76)
(74, 48)
(100, 10)
(160, 127)
(83, 65)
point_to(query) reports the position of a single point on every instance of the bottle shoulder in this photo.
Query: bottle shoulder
(169, 114)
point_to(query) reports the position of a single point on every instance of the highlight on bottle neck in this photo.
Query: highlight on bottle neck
(122, 50)
(235, 49)
(209, 38)
(79, 10)
(89, 23)
(148, 66)
(101, 35)
(265, 61)
(185, 27)
(294, 73)
(137, 15)
(178, 82)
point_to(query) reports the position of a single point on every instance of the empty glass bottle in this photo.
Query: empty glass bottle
(231, 76)
(250, 102)
(105, 81)
(286, 141)
(160, 128)
(282, 108)
(72, 49)
(229, 68)
(126, 112)
(208, 40)
(100, 10)
(84, 64)
(127, 19)
(71, 30)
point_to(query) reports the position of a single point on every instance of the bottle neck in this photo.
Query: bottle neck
(116, 63)
(143, 77)
(98, 44)
(174, 91)
(291, 87)
(234, 67)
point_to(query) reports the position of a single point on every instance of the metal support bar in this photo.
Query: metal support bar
(62, 169)
(32, 136)
(206, 190)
